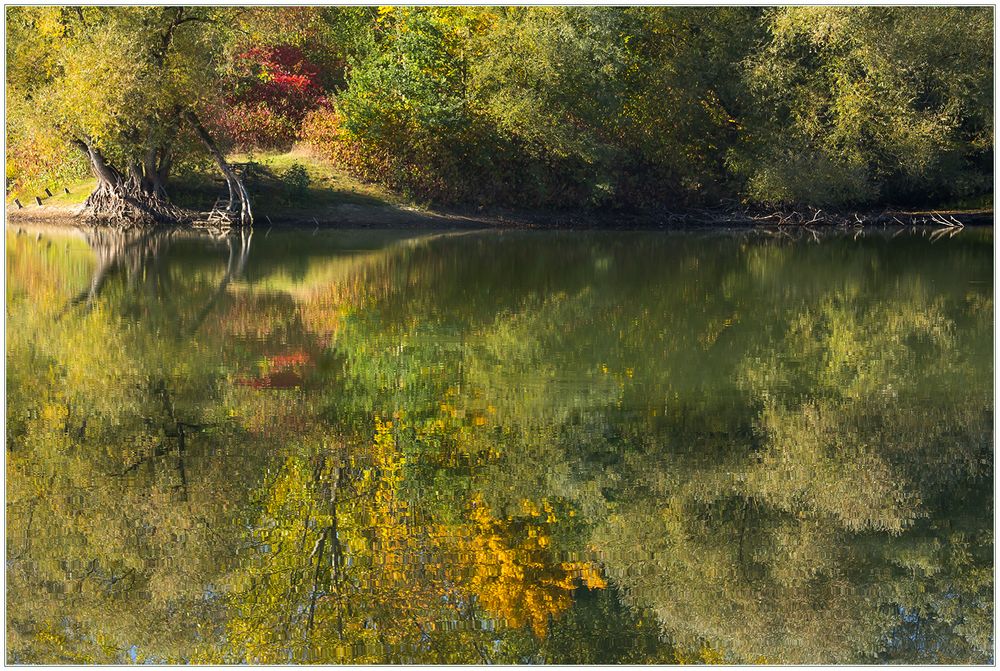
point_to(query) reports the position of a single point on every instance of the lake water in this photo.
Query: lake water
(468, 447)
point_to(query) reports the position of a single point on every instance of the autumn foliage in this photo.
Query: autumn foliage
(272, 89)
(582, 107)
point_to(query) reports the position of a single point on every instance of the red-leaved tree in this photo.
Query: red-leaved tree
(273, 88)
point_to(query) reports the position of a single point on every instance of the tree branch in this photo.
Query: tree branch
(233, 180)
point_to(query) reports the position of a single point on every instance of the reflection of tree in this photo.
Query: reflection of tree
(239, 252)
(769, 534)
(127, 250)
(138, 255)
(115, 515)
(349, 572)
(803, 545)
(618, 456)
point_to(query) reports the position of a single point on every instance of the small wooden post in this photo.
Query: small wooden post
(38, 200)
(48, 193)
(18, 203)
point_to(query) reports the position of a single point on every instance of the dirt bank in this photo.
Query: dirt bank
(400, 216)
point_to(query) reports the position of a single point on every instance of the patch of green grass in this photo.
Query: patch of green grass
(294, 184)
(287, 185)
(274, 188)
(78, 192)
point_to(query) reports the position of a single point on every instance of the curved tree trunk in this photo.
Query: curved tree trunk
(239, 199)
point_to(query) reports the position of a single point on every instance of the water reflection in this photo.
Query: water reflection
(374, 447)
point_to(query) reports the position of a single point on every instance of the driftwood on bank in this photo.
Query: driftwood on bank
(732, 215)
(817, 217)
(238, 206)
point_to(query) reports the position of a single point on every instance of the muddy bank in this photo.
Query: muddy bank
(392, 216)
(342, 216)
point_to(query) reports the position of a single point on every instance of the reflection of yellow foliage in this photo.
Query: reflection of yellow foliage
(387, 515)
(516, 580)
(715, 329)
(707, 655)
(710, 655)
(65, 646)
(402, 575)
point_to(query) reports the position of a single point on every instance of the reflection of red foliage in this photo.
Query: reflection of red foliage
(285, 372)
(288, 360)
(273, 89)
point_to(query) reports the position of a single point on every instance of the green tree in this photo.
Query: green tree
(875, 104)
(118, 84)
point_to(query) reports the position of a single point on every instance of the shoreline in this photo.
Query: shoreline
(396, 217)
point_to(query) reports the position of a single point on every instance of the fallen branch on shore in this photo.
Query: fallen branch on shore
(818, 217)
(735, 215)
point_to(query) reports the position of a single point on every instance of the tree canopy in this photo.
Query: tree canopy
(117, 83)
(556, 106)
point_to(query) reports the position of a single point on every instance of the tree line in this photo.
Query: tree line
(601, 107)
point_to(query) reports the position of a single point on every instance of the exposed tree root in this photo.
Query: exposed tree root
(134, 194)
(121, 207)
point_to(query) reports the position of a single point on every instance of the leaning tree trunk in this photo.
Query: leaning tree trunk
(136, 195)
(239, 199)
(127, 199)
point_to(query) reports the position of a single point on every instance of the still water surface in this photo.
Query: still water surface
(365, 446)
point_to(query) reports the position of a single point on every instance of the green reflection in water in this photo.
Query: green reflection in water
(499, 447)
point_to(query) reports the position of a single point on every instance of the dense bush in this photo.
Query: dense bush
(643, 106)
(407, 119)
(272, 89)
(296, 180)
(865, 104)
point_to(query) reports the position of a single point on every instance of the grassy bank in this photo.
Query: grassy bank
(290, 185)
(293, 187)
(299, 188)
